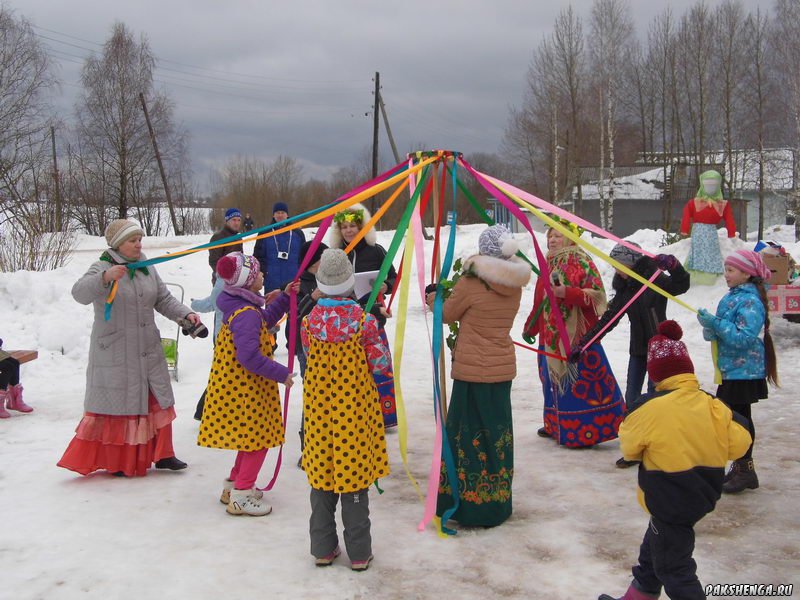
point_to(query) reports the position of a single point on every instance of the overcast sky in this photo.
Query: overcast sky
(263, 78)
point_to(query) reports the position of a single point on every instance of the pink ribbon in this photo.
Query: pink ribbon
(290, 325)
(540, 257)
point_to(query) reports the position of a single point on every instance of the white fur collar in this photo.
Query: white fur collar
(335, 235)
(514, 272)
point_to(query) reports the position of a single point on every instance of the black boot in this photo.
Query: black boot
(624, 464)
(171, 463)
(198, 411)
(745, 477)
(302, 445)
(542, 432)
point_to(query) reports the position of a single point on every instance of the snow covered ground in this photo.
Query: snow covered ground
(574, 533)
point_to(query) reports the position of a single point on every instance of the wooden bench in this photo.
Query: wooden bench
(24, 356)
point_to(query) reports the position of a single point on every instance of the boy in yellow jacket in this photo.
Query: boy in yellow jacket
(684, 438)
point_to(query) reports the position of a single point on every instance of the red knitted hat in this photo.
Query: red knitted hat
(238, 270)
(666, 354)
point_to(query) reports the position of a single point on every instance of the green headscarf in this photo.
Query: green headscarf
(710, 175)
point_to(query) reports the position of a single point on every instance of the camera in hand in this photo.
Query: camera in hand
(195, 330)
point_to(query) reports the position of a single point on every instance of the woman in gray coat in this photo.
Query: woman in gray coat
(129, 406)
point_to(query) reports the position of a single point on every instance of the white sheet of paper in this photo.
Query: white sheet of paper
(364, 282)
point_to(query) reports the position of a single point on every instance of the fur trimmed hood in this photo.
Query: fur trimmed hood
(499, 273)
(335, 235)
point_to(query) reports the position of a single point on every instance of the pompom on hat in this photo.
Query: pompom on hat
(666, 354)
(120, 230)
(498, 242)
(749, 262)
(335, 274)
(238, 270)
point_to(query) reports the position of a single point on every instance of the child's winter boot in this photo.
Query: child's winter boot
(15, 401)
(4, 395)
(227, 486)
(633, 593)
(242, 502)
(745, 477)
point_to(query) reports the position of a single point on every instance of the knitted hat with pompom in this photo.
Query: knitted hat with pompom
(666, 354)
(498, 242)
(238, 270)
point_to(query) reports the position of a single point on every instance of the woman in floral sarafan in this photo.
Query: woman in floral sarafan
(583, 404)
(484, 302)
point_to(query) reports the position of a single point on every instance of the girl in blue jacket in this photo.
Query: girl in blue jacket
(745, 360)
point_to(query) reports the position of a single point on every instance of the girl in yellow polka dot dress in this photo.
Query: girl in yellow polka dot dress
(242, 410)
(345, 447)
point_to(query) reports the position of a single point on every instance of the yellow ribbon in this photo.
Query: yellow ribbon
(402, 429)
(565, 231)
(368, 193)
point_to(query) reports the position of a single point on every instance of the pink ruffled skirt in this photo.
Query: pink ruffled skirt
(121, 443)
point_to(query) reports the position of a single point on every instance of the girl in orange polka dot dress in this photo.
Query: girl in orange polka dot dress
(345, 447)
(242, 410)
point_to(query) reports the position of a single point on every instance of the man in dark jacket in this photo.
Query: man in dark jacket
(279, 255)
(649, 309)
(233, 224)
(248, 222)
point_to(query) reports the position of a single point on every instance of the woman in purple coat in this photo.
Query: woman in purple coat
(243, 409)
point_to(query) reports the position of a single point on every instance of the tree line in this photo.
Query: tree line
(693, 87)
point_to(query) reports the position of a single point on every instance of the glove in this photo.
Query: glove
(706, 319)
(575, 354)
(666, 262)
(529, 338)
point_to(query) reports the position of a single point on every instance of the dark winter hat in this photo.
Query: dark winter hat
(280, 206)
(317, 255)
(238, 270)
(232, 213)
(626, 256)
(666, 354)
(335, 274)
(120, 230)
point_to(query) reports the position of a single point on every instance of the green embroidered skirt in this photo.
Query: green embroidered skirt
(481, 438)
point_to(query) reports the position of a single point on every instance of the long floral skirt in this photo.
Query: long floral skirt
(127, 444)
(385, 385)
(704, 253)
(589, 409)
(481, 437)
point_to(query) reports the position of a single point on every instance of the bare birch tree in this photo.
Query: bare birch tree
(610, 44)
(786, 43)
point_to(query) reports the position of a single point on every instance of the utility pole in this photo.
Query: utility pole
(167, 195)
(388, 129)
(375, 126)
(57, 188)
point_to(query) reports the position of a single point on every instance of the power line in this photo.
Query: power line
(223, 72)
